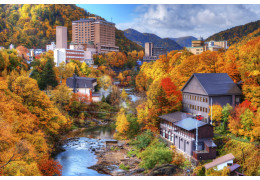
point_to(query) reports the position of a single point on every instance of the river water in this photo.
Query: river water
(78, 155)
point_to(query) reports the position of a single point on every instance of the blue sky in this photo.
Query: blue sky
(120, 13)
(176, 20)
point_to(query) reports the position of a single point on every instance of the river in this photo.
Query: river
(78, 155)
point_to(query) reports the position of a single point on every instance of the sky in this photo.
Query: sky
(176, 20)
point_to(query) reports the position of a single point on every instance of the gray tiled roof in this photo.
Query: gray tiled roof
(216, 83)
(81, 82)
(189, 124)
(176, 116)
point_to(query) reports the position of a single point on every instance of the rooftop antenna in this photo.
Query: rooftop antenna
(196, 135)
(211, 113)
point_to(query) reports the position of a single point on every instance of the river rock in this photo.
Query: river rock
(164, 170)
(136, 171)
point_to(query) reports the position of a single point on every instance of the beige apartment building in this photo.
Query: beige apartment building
(97, 32)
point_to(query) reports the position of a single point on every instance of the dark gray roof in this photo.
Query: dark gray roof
(234, 167)
(189, 124)
(81, 82)
(176, 116)
(216, 83)
(210, 143)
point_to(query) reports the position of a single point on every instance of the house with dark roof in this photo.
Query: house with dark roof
(84, 86)
(180, 129)
(202, 89)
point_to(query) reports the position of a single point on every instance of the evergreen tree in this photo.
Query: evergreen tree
(47, 76)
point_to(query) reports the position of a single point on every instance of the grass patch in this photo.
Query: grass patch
(122, 166)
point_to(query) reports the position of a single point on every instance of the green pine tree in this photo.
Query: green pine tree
(47, 76)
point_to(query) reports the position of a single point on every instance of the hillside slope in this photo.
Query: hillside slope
(34, 26)
(235, 34)
(184, 41)
(142, 38)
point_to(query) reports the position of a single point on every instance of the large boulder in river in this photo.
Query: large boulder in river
(164, 170)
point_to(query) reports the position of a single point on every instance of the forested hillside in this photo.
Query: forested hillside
(33, 26)
(235, 34)
(163, 79)
(142, 38)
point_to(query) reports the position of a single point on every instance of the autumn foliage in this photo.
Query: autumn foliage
(50, 168)
(29, 123)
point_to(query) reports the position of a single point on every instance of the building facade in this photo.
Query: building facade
(92, 30)
(152, 53)
(65, 55)
(179, 129)
(61, 37)
(199, 46)
(84, 86)
(51, 46)
(202, 88)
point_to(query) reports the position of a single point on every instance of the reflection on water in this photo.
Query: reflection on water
(100, 132)
(78, 155)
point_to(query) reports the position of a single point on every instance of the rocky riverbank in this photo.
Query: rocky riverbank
(113, 160)
(113, 156)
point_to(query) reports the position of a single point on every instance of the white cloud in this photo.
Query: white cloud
(196, 20)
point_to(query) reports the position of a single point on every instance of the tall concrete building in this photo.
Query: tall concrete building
(148, 49)
(61, 37)
(152, 53)
(97, 32)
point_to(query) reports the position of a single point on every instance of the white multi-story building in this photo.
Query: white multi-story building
(51, 46)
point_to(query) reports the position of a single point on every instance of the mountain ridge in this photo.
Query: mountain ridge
(141, 38)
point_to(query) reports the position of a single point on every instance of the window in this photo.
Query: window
(206, 100)
(229, 164)
(237, 99)
(200, 108)
(195, 98)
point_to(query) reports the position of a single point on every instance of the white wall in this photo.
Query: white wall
(59, 56)
(221, 166)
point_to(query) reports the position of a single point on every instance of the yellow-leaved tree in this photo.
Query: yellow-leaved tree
(216, 114)
(123, 94)
(122, 125)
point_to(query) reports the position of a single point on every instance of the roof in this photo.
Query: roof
(81, 82)
(220, 160)
(189, 124)
(216, 83)
(234, 167)
(92, 20)
(210, 143)
(176, 116)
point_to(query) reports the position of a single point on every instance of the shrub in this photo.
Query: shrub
(156, 153)
(143, 140)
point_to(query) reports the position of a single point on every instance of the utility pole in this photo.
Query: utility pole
(211, 112)
(196, 135)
